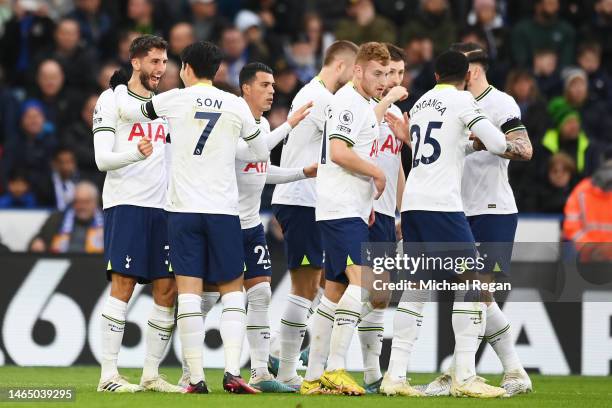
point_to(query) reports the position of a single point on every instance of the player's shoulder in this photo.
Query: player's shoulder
(314, 91)
(503, 104)
(107, 97)
(264, 125)
(348, 96)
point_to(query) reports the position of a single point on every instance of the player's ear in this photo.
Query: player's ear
(135, 64)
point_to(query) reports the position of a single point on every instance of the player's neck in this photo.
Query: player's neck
(257, 114)
(328, 79)
(360, 90)
(478, 88)
(137, 87)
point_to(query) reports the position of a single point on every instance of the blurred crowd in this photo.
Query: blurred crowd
(553, 56)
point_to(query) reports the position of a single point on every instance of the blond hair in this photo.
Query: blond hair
(373, 51)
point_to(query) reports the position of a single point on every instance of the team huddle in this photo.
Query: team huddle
(185, 173)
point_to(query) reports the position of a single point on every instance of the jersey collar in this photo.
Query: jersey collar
(484, 93)
(319, 80)
(444, 86)
(350, 83)
(203, 84)
(140, 98)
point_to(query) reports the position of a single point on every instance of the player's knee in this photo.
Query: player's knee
(259, 297)
(122, 287)
(164, 292)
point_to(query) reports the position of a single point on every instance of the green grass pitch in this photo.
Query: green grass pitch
(589, 392)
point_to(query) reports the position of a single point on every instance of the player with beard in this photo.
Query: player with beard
(135, 227)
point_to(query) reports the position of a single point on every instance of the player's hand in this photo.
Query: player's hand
(399, 127)
(119, 78)
(397, 93)
(145, 147)
(38, 245)
(398, 231)
(311, 171)
(297, 116)
(379, 182)
(372, 218)
(477, 143)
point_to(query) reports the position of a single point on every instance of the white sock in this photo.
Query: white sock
(158, 335)
(315, 302)
(112, 326)
(468, 318)
(275, 343)
(350, 309)
(191, 333)
(407, 323)
(258, 327)
(499, 336)
(209, 299)
(322, 325)
(233, 328)
(370, 332)
(292, 331)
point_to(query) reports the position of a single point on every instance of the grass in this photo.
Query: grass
(550, 391)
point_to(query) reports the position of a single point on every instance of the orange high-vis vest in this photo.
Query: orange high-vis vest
(588, 215)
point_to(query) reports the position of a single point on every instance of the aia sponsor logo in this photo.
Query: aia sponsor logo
(150, 131)
(260, 167)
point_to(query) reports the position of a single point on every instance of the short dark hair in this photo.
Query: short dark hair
(451, 66)
(249, 71)
(19, 173)
(203, 57)
(588, 47)
(474, 53)
(141, 46)
(396, 53)
(337, 48)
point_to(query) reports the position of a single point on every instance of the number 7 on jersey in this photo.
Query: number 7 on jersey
(212, 118)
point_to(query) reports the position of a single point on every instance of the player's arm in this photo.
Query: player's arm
(342, 154)
(251, 134)
(401, 183)
(160, 105)
(518, 145)
(282, 175)
(104, 123)
(397, 93)
(473, 118)
(277, 135)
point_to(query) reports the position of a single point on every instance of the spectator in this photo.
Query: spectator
(599, 30)
(33, 145)
(287, 84)
(522, 87)
(25, 35)
(301, 58)
(19, 191)
(569, 137)
(60, 104)
(78, 139)
(550, 195)
(123, 49)
(104, 75)
(140, 16)
(419, 64)
(364, 25)
(76, 61)
(544, 31)
(6, 13)
(96, 26)
(78, 229)
(171, 78)
(180, 36)
(600, 83)
(595, 115)
(250, 25)
(207, 23)
(318, 38)
(484, 16)
(435, 21)
(237, 54)
(546, 74)
(58, 189)
(588, 218)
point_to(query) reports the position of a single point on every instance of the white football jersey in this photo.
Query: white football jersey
(341, 193)
(302, 147)
(251, 177)
(389, 160)
(485, 188)
(144, 183)
(205, 124)
(439, 124)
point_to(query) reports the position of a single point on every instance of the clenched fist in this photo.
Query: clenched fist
(145, 147)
